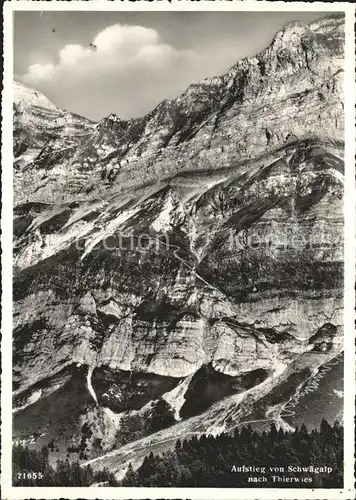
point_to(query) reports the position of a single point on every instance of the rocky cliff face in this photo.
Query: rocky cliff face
(180, 273)
(290, 90)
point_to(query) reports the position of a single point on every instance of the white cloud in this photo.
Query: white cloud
(71, 54)
(122, 46)
(40, 72)
(156, 54)
(125, 39)
(126, 69)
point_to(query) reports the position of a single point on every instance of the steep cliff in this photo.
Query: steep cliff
(291, 89)
(183, 272)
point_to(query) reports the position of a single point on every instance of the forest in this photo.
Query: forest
(209, 461)
(33, 468)
(243, 458)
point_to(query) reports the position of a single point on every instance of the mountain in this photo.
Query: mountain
(181, 273)
(289, 90)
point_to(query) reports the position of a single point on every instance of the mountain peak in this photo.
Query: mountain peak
(113, 117)
(148, 339)
(28, 96)
(212, 115)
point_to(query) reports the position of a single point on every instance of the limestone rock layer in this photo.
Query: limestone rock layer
(182, 272)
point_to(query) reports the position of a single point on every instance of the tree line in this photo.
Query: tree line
(33, 468)
(207, 461)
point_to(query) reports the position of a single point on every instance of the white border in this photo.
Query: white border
(11, 493)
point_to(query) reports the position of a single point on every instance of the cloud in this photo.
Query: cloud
(125, 69)
(125, 39)
(72, 54)
(39, 72)
(120, 46)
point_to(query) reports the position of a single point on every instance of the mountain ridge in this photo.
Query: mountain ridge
(319, 24)
(163, 135)
(235, 303)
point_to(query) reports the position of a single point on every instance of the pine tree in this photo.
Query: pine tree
(131, 477)
(273, 433)
(280, 436)
(204, 462)
(325, 428)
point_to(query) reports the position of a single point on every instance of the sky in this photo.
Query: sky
(97, 63)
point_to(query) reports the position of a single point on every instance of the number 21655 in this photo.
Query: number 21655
(29, 475)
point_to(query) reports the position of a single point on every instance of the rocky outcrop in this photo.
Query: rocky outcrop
(290, 90)
(183, 272)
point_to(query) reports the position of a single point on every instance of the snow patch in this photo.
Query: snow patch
(339, 394)
(35, 396)
(89, 384)
(115, 418)
(176, 397)
(215, 183)
(338, 175)
(162, 223)
(108, 230)
(28, 96)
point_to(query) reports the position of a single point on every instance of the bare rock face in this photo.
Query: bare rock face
(182, 272)
(290, 90)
